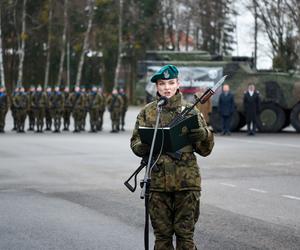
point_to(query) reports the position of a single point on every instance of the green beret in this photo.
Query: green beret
(167, 72)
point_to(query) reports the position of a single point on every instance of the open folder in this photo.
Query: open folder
(173, 138)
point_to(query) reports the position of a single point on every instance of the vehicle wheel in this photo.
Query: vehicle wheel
(271, 118)
(216, 121)
(295, 117)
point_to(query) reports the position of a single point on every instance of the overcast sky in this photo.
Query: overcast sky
(245, 38)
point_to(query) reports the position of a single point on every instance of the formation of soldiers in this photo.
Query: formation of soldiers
(54, 108)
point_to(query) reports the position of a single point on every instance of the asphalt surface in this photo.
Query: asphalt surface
(65, 191)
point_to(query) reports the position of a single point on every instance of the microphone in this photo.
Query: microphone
(162, 101)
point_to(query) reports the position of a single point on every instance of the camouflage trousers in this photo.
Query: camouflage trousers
(78, 116)
(56, 114)
(39, 114)
(31, 117)
(67, 115)
(2, 119)
(48, 119)
(115, 119)
(122, 117)
(94, 117)
(174, 213)
(100, 120)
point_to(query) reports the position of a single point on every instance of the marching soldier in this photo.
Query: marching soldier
(38, 104)
(114, 105)
(94, 102)
(67, 108)
(21, 104)
(124, 108)
(13, 109)
(30, 111)
(4, 105)
(48, 109)
(78, 109)
(57, 106)
(101, 109)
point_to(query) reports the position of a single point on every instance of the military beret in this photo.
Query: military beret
(165, 73)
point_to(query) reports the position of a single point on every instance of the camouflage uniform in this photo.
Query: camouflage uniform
(123, 110)
(38, 104)
(57, 107)
(21, 104)
(114, 105)
(4, 105)
(101, 112)
(85, 110)
(48, 111)
(67, 110)
(175, 184)
(13, 109)
(78, 110)
(30, 111)
(94, 103)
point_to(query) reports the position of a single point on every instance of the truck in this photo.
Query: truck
(279, 91)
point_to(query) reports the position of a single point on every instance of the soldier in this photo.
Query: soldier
(226, 108)
(124, 108)
(57, 107)
(4, 106)
(101, 109)
(21, 104)
(78, 108)
(38, 104)
(48, 109)
(30, 112)
(67, 108)
(94, 103)
(251, 108)
(175, 183)
(86, 108)
(114, 106)
(13, 109)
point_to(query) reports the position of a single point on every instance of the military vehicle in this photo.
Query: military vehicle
(280, 92)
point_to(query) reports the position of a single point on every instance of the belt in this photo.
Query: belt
(187, 149)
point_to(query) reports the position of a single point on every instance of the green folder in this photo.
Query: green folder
(173, 138)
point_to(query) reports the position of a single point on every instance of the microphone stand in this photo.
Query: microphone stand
(146, 182)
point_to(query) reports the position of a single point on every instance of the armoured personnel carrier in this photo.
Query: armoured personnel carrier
(280, 92)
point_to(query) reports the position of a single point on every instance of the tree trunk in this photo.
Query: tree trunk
(2, 83)
(117, 72)
(49, 45)
(22, 49)
(63, 45)
(85, 42)
(255, 32)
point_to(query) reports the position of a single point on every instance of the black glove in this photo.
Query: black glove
(141, 149)
(197, 135)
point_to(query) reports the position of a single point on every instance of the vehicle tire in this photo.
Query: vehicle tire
(295, 117)
(216, 121)
(271, 118)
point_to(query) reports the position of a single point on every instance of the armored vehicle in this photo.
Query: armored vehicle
(280, 92)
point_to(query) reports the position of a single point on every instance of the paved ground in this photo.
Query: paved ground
(65, 191)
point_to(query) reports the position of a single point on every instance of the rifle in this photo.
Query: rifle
(178, 118)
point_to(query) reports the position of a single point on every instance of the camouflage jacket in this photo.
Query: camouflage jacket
(114, 103)
(4, 102)
(67, 100)
(174, 175)
(125, 102)
(94, 101)
(21, 101)
(57, 100)
(38, 100)
(77, 101)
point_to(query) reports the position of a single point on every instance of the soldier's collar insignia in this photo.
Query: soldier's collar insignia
(166, 74)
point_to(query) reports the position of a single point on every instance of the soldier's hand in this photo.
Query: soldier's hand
(141, 149)
(197, 135)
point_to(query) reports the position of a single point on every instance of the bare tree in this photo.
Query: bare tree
(1, 53)
(48, 44)
(22, 45)
(85, 47)
(117, 72)
(63, 45)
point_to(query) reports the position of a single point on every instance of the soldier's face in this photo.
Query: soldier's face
(39, 89)
(167, 88)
